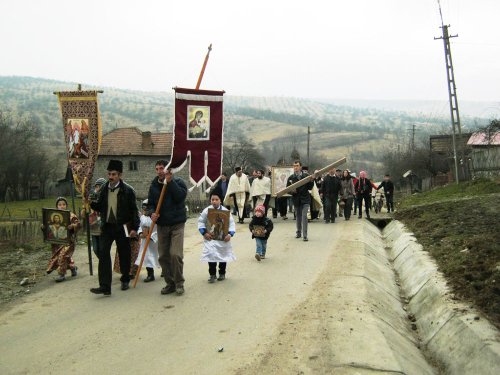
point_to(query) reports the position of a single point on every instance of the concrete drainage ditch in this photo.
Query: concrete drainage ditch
(449, 332)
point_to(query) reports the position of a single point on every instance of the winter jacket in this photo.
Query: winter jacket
(127, 212)
(173, 208)
(262, 221)
(331, 186)
(388, 187)
(301, 196)
(347, 188)
(363, 187)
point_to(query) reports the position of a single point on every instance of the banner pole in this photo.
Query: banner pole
(164, 188)
(148, 238)
(203, 67)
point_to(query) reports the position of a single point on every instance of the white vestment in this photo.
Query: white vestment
(260, 188)
(215, 250)
(238, 186)
(151, 257)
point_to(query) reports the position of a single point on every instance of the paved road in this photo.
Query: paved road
(296, 312)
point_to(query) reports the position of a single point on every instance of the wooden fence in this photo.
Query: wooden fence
(20, 232)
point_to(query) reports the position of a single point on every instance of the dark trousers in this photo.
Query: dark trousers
(110, 233)
(330, 208)
(95, 245)
(282, 205)
(240, 219)
(348, 208)
(212, 268)
(390, 202)
(368, 200)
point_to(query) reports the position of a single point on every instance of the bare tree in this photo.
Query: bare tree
(23, 160)
(242, 154)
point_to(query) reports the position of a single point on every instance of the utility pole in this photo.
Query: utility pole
(308, 143)
(412, 139)
(452, 93)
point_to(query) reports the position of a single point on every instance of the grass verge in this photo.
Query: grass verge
(458, 225)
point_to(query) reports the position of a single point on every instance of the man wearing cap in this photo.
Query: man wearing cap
(261, 190)
(301, 198)
(170, 222)
(238, 192)
(118, 210)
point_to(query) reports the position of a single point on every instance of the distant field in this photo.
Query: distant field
(30, 209)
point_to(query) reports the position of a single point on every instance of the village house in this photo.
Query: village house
(139, 151)
(485, 155)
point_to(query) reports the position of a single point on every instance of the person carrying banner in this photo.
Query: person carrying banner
(118, 210)
(261, 190)
(170, 223)
(95, 218)
(238, 193)
(301, 198)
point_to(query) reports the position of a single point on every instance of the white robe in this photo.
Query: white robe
(260, 189)
(151, 257)
(215, 250)
(238, 186)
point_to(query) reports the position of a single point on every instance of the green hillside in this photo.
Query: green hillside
(277, 125)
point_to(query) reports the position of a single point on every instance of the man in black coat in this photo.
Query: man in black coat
(170, 223)
(301, 198)
(363, 188)
(330, 189)
(118, 210)
(388, 186)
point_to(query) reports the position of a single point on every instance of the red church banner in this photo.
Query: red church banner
(82, 134)
(198, 131)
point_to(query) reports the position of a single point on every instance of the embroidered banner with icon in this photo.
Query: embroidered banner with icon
(82, 134)
(198, 132)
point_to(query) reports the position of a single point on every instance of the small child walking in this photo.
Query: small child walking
(151, 258)
(216, 250)
(261, 228)
(62, 254)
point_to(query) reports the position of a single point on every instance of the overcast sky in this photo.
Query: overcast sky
(363, 49)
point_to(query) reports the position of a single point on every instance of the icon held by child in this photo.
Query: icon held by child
(217, 227)
(261, 227)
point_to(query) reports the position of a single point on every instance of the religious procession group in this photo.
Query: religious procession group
(114, 204)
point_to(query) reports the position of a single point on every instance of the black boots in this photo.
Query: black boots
(151, 275)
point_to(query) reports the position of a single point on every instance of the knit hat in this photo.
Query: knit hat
(115, 165)
(100, 181)
(261, 208)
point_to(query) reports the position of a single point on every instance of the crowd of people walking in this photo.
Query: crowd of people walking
(159, 229)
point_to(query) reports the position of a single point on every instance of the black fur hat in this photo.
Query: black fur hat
(115, 165)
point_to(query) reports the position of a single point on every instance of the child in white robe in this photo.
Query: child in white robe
(215, 250)
(151, 257)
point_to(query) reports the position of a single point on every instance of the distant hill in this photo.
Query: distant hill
(276, 125)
